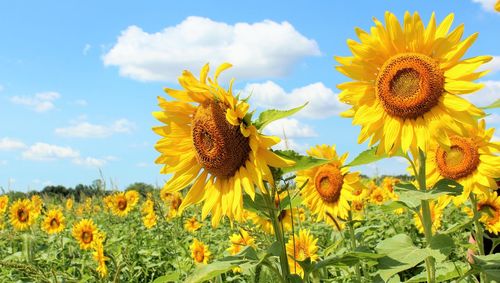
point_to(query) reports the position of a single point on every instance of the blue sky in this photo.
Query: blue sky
(79, 79)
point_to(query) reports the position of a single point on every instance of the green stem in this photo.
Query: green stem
(353, 245)
(278, 233)
(479, 232)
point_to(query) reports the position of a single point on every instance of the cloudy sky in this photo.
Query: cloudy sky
(79, 79)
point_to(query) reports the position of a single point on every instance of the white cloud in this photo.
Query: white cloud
(489, 94)
(40, 102)
(488, 5)
(292, 144)
(492, 119)
(90, 161)
(493, 66)
(44, 152)
(11, 144)
(291, 128)
(84, 129)
(86, 49)
(323, 102)
(263, 49)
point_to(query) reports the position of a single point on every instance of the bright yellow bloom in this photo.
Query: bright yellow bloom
(108, 202)
(69, 204)
(299, 248)
(200, 252)
(165, 195)
(489, 205)
(437, 209)
(4, 202)
(148, 206)
(54, 221)
(497, 6)
(239, 241)
(150, 220)
(123, 203)
(407, 82)
(191, 224)
(175, 200)
(207, 143)
(378, 196)
(132, 197)
(86, 233)
(36, 205)
(100, 258)
(21, 214)
(329, 187)
(472, 161)
(388, 184)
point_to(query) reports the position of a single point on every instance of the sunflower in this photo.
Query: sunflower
(497, 6)
(54, 221)
(4, 202)
(191, 224)
(436, 208)
(239, 241)
(165, 195)
(21, 214)
(472, 161)
(69, 204)
(86, 233)
(299, 248)
(489, 205)
(132, 197)
(200, 252)
(122, 205)
(175, 200)
(378, 196)
(388, 184)
(148, 206)
(329, 187)
(36, 205)
(358, 208)
(209, 142)
(150, 220)
(101, 259)
(407, 81)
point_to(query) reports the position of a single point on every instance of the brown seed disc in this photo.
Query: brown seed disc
(220, 147)
(409, 85)
(328, 182)
(460, 161)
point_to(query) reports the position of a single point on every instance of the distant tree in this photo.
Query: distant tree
(142, 188)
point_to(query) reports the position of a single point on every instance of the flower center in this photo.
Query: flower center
(22, 215)
(87, 237)
(328, 183)
(122, 204)
(220, 147)
(409, 85)
(54, 223)
(176, 203)
(460, 161)
(199, 256)
(379, 198)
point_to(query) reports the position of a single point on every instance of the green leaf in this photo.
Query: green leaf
(401, 254)
(257, 205)
(444, 272)
(171, 277)
(495, 104)
(302, 162)
(205, 272)
(447, 187)
(369, 156)
(275, 249)
(441, 246)
(348, 259)
(488, 264)
(271, 115)
(411, 197)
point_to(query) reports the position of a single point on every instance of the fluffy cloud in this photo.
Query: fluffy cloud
(263, 49)
(84, 129)
(90, 161)
(44, 152)
(11, 144)
(292, 128)
(488, 5)
(323, 102)
(40, 102)
(489, 94)
(493, 119)
(493, 66)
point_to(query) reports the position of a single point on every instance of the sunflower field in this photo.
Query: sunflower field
(234, 209)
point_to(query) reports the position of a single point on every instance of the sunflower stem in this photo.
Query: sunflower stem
(278, 233)
(426, 217)
(353, 245)
(479, 232)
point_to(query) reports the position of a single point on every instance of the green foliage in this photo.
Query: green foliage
(302, 162)
(271, 115)
(369, 156)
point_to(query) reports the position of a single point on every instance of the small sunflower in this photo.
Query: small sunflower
(489, 205)
(86, 233)
(407, 82)
(101, 259)
(299, 248)
(122, 205)
(378, 196)
(165, 195)
(21, 214)
(54, 221)
(150, 220)
(472, 161)
(388, 184)
(239, 241)
(4, 202)
(436, 208)
(192, 224)
(69, 204)
(207, 142)
(132, 197)
(36, 205)
(329, 187)
(358, 208)
(200, 252)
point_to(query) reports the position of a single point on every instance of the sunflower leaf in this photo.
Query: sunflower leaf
(302, 162)
(271, 115)
(369, 156)
(495, 104)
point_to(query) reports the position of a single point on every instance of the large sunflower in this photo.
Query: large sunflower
(208, 142)
(299, 248)
(54, 221)
(329, 187)
(200, 252)
(472, 161)
(21, 214)
(407, 82)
